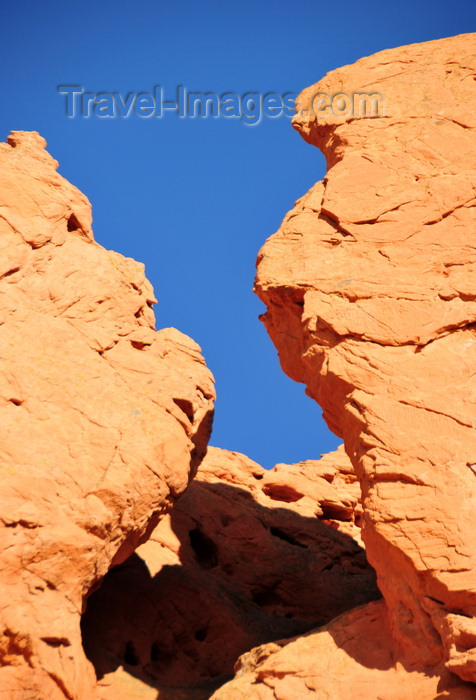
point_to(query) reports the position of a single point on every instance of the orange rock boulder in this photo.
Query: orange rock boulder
(103, 420)
(371, 301)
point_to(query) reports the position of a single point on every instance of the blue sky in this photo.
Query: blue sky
(194, 199)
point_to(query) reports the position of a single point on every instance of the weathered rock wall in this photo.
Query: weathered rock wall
(103, 420)
(370, 292)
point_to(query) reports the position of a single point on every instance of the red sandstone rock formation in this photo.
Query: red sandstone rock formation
(370, 293)
(241, 559)
(103, 420)
(370, 301)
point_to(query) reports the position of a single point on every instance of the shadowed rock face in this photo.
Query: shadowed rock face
(245, 557)
(103, 420)
(370, 293)
(354, 656)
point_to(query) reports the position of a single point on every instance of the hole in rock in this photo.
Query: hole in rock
(154, 651)
(73, 224)
(138, 345)
(201, 634)
(56, 642)
(334, 511)
(186, 407)
(130, 655)
(204, 548)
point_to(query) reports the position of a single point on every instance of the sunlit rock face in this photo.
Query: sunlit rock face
(103, 420)
(370, 292)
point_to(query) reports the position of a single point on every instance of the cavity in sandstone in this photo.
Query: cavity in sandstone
(246, 556)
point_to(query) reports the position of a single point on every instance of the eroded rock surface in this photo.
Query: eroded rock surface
(103, 420)
(246, 556)
(353, 656)
(371, 301)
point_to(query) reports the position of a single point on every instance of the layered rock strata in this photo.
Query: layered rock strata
(370, 292)
(103, 420)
